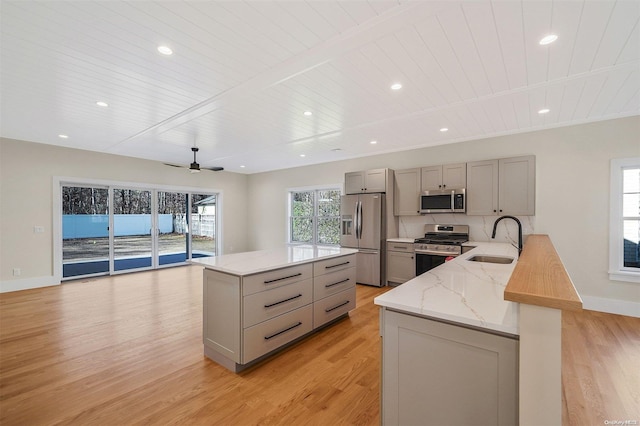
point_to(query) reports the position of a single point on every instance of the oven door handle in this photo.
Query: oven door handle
(438, 253)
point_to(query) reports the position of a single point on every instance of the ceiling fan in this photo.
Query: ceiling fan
(195, 167)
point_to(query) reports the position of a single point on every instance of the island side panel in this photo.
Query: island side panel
(437, 373)
(221, 315)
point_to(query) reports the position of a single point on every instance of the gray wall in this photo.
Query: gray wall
(572, 203)
(572, 192)
(27, 172)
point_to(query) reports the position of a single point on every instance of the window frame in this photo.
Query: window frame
(617, 270)
(314, 218)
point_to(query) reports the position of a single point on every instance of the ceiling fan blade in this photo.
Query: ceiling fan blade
(172, 165)
(214, 169)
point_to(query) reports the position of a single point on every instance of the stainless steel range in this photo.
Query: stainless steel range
(440, 243)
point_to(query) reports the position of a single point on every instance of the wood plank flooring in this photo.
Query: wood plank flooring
(127, 350)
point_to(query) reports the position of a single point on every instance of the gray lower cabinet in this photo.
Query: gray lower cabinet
(248, 317)
(401, 263)
(436, 373)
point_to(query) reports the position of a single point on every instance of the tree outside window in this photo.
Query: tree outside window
(315, 216)
(631, 217)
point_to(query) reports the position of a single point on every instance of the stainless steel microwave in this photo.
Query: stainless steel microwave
(443, 201)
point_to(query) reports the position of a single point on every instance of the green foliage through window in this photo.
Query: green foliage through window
(315, 216)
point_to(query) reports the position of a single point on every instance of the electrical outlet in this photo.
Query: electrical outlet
(38, 229)
(16, 272)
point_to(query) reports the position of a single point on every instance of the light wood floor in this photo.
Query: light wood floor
(127, 350)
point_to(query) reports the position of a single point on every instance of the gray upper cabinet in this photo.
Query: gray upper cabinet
(499, 187)
(443, 177)
(407, 192)
(366, 181)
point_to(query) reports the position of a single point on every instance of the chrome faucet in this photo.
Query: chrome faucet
(495, 226)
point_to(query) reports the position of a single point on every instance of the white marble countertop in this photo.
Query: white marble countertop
(400, 240)
(253, 262)
(462, 291)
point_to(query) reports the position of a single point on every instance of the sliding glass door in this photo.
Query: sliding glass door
(85, 231)
(173, 228)
(132, 229)
(114, 229)
(203, 225)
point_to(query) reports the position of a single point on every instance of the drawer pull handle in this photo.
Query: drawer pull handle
(400, 247)
(339, 282)
(336, 265)
(282, 301)
(283, 331)
(346, 302)
(283, 278)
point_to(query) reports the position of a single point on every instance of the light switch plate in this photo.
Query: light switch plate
(38, 229)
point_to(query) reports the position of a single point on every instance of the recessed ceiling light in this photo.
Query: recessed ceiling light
(548, 39)
(63, 136)
(308, 113)
(102, 104)
(336, 149)
(165, 50)
(242, 166)
(373, 142)
(396, 86)
(302, 155)
(543, 111)
(444, 129)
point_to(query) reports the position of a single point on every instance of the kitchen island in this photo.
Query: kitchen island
(450, 343)
(255, 303)
(450, 337)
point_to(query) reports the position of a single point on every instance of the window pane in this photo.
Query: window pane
(631, 240)
(328, 203)
(631, 181)
(328, 229)
(301, 229)
(631, 205)
(302, 204)
(203, 225)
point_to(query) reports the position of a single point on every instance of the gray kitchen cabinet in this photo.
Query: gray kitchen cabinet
(406, 200)
(401, 263)
(503, 186)
(366, 181)
(436, 373)
(443, 177)
(249, 316)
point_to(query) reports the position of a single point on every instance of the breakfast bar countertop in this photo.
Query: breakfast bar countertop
(462, 291)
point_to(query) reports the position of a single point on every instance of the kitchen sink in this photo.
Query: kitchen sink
(491, 259)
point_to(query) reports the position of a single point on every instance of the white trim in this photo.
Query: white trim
(612, 306)
(617, 272)
(28, 283)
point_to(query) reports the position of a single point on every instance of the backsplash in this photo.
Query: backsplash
(480, 227)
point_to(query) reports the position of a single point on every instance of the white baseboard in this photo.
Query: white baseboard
(27, 283)
(611, 306)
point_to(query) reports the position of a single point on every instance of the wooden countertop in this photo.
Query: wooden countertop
(540, 278)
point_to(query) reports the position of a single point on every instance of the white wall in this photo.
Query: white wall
(572, 201)
(27, 172)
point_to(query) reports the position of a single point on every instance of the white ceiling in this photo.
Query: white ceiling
(243, 73)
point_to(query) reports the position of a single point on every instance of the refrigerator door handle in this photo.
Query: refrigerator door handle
(360, 218)
(355, 220)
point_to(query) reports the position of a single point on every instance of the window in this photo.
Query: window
(624, 246)
(314, 216)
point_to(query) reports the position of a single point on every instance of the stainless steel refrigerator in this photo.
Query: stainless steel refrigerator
(363, 228)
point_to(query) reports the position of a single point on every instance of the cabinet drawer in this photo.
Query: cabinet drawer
(272, 279)
(334, 264)
(269, 335)
(262, 306)
(333, 306)
(334, 282)
(403, 247)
